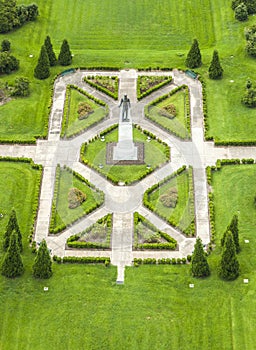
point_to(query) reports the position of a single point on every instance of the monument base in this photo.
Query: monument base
(123, 156)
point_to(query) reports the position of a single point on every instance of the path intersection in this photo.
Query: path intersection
(123, 201)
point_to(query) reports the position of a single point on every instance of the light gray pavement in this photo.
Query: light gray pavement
(124, 201)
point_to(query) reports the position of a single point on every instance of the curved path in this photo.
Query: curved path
(123, 201)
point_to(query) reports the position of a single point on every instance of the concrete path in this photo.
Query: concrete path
(123, 201)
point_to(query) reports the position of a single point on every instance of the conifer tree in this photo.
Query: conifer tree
(200, 267)
(42, 70)
(233, 228)
(50, 52)
(229, 265)
(215, 69)
(12, 265)
(6, 45)
(12, 225)
(42, 267)
(194, 59)
(65, 57)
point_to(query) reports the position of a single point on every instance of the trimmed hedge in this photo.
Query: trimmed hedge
(62, 227)
(164, 97)
(171, 245)
(163, 261)
(72, 241)
(167, 80)
(82, 260)
(190, 231)
(110, 177)
(114, 95)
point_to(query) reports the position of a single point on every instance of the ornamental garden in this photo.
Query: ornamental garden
(189, 205)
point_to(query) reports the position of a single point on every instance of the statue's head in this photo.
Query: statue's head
(125, 97)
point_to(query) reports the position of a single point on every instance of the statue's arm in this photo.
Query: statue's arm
(121, 102)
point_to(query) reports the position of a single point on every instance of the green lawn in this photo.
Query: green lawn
(136, 34)
(63, 214)
(18, 190)
(178, 124)
(73, 123)
(153, 155)
(181, 215)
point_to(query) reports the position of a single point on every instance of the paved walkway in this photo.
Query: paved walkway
(123, 201)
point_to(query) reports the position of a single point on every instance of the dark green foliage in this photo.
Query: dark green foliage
(229, 265)
(194, 59)
(6, 45)
(12, 225)
(8, 63)
(12, 265)
(42, 70)
(199, 264)
(233, 228)
(241, 13)
(249, 98)
(65, 57)
(9, 18)
(13, 16)
(21, 87)
(250, 36)
(42, 267)
(50, 52)
(250, 5)
(215, 69)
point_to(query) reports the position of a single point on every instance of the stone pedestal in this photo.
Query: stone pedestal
(125, 148)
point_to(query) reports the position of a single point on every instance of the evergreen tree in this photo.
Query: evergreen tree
(229, 265)
(233, 228)
(200, 267)
(50, 52)
(42, 70)
(42, 267)
(65, 57)
(12, 225)
(241, 13)
(215, 69)
(194, 58)
(12, 265)
(6, 45)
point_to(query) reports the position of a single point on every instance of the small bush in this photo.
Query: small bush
(170, 198)
(75, 198)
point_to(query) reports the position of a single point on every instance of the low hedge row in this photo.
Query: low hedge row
(72, 241)
(82, 260)
(234, 143)
(164, 97)
(212, 218)
(191, 229)
(167, 80)
(109, 176)
(65, 111)
(163, 261)
(114, 95)
(161, 69)
(55, 230)
(171, 245)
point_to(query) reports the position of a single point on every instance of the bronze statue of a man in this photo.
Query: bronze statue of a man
(125, 101)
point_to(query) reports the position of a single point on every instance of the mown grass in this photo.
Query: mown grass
(137, 35)
(181, 213)
(73, 123)
(65, 215)
(153, 155)
(178, 124)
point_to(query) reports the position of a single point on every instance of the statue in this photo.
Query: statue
(125, 101)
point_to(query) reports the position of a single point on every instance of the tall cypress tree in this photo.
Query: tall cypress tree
(229, 265)
(12, 265)
(65, 57)
(12, 225)
(194, 59)
(42, 267)
(233, 228)
(215, 69)
(42, 70)
(50, 52)
(200, 267)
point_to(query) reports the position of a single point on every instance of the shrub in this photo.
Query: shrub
(42, 267)
(75, 198)
(65, 57)
(170, 198)
(12, 265)
(50, 52)
(8, 63)
(84, 109)
(215, 69)
(241, 13)
(199, 264)
(229, 265)
(21, 87)
(6, 45)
